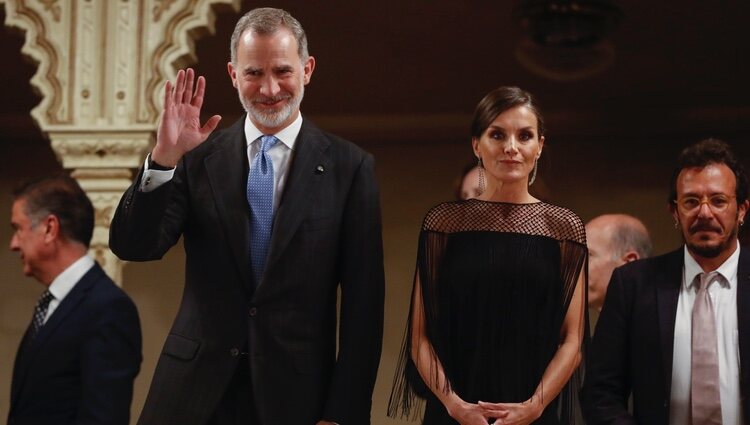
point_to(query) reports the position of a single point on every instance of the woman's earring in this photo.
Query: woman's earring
(480, 165)
(532, 178)
(676, 224)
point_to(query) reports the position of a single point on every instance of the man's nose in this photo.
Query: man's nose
(704, 211)
(269, 87)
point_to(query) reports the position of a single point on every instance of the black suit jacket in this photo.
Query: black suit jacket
(80, 367)
(326, 235)
(633, 343)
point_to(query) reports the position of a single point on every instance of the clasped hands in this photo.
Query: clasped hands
(503, 413)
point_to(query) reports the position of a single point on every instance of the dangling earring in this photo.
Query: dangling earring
(532, 178)
(480, 165)
(676, 224)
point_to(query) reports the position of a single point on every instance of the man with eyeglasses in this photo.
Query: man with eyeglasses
(675, 328)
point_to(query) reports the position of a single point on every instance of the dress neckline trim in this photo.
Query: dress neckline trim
(506, 202)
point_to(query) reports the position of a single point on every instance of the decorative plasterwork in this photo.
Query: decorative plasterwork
(104, 187)
(102, 67)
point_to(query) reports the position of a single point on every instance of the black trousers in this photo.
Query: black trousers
(237, 405)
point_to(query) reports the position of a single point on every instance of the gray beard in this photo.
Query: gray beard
(273, 119)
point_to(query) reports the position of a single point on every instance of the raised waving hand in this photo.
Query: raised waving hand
(180, 130)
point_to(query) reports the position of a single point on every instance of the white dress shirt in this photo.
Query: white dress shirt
(66, 281)
(723, 293)
(280, 155)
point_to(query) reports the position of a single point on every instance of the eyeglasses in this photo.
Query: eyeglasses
(717, 203)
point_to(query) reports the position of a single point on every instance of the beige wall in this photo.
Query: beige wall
(591, 177)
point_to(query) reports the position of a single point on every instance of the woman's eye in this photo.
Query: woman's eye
(525, 136)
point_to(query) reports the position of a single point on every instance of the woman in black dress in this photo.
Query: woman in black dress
(497, 316)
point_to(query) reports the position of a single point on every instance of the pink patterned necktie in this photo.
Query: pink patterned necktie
(705, 400)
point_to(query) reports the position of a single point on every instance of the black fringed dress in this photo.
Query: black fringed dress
(496, 281)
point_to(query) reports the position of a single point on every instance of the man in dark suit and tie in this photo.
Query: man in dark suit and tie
(675, 329)
(277, 216)
(77, 361)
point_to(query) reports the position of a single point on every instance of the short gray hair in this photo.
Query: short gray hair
(266, 21)
(627, 236)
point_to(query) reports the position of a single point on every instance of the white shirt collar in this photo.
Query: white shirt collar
(65, 281)
(288, 135)
(728, 268)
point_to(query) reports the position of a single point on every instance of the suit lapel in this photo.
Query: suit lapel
(227, 175)
(667, 294)
(743, 321)
(19, 368)
(68, 304)
(66, 307)
(309, 153)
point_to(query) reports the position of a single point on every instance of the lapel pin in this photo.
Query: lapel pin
(320, 169)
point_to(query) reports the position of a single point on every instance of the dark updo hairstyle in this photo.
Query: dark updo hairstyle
(705, 152)
(498, 101)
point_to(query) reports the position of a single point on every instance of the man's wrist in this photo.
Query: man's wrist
(153, 165)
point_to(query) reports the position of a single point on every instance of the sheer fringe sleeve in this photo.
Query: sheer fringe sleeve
(409, 389)
(574, 262)
(446, 220)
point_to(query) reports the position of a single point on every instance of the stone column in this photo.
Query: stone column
(102, 68)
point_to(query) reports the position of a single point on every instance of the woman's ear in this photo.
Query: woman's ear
(541, 147)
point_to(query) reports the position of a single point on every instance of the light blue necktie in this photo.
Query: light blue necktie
(260, 197)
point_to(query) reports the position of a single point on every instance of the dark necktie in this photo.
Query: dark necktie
(705, 400)
(260, 191)
(39, 312)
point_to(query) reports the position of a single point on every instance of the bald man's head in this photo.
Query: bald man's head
(613, 240)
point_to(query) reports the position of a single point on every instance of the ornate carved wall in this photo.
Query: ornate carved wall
(101, 69)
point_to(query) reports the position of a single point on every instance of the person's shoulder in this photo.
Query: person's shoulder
(561, 213)
(652, 265)
(441, 216)
(104, 291)
(311, 131)
(565, 222)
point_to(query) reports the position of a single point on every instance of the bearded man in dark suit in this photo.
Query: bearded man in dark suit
(675, 329)
(78, 359)
(277, 216)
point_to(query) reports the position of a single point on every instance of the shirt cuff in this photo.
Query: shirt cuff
(152, 179)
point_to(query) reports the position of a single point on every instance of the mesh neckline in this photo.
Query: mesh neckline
(536, 218)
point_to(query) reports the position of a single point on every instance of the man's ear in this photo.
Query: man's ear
(51, 228)
(673, 211)
(308, 68)
(742, 211)
(630, 256)
(232, 73)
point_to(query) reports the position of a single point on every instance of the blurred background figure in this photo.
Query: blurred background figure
(79, 356)
(613, 240)
(469, 184)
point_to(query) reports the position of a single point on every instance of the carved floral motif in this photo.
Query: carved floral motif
(102, 64)
(54, 7)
